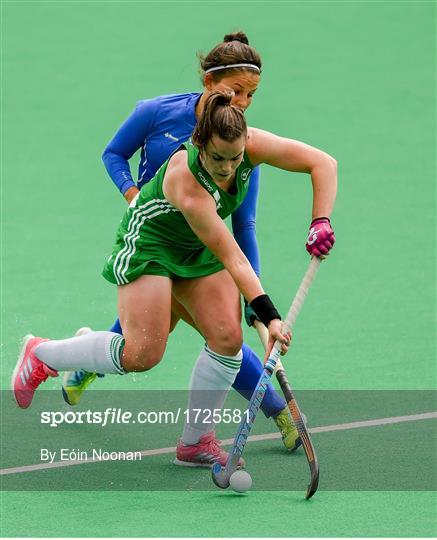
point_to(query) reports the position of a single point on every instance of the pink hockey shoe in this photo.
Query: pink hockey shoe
(29, 372)
(203, 454)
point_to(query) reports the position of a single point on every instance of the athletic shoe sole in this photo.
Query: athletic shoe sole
(192, 464)
(24, 342)
(201, 465)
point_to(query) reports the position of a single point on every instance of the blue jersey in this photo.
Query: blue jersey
(158, 126)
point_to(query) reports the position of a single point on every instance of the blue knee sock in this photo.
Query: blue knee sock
(247, 379)
(116, 327)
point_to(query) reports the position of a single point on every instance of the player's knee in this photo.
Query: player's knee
(228, 340)
(141, 358)
(150, 357)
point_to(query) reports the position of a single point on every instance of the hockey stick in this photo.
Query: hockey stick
(295, 413)
(221, 475)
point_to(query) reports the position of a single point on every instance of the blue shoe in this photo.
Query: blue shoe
(75, 383)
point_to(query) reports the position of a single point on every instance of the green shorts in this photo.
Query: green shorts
(156, 269)
(145, 245)
(199, 264)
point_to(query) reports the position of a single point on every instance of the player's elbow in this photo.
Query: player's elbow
(333, 164)
(328, 162)
(325, 165)
(106, 156)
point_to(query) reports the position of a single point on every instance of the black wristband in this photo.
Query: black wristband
(264, 308)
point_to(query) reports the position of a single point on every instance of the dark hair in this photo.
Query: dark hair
(234, 49)
(221, 118)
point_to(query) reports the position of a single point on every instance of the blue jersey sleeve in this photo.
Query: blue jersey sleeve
(244, 220)
(128, 139)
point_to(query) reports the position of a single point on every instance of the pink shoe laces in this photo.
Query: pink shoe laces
(38, 376)
(213, 445)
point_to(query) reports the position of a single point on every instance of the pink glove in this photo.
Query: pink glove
(320, 238)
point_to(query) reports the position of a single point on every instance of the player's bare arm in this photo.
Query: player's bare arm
(295, 156)
(131, 193)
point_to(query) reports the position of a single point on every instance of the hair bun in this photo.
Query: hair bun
(237, 36)
(219, 117)
(222, 97)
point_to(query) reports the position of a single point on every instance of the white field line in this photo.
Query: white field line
(252, 438)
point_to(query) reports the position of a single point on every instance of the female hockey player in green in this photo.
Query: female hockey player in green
(173, 240)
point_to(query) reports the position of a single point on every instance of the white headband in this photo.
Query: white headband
(218, 68)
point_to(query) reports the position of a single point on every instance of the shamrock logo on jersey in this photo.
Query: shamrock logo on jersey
(245, 174)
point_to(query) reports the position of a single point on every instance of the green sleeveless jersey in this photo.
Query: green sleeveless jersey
(155, 238)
